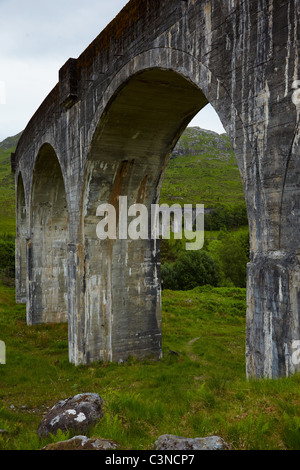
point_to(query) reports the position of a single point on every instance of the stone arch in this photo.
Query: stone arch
(182, 63)
(21, 235)
(217, 94)
(47, 246)
(128, 155)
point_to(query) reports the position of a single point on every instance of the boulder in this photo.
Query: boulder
(83, 443)
(76, 413)
(170, 442)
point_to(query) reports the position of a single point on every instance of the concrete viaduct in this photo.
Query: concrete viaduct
(107, 129)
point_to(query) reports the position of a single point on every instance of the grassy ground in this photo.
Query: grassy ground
(197, 389)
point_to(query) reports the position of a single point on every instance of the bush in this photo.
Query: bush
(231, 252)
(229, 217)
(191, 269)
(7, 256)
(170, 249)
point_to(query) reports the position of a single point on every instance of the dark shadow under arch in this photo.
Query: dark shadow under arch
(47, 248)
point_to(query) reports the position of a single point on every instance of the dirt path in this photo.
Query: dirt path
(192, 356)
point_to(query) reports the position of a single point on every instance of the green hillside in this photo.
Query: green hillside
(202, 170)
(7, 187)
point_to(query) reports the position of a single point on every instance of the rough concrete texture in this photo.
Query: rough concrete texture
(107, 129)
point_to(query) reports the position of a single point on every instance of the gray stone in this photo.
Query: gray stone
(83, 443)
(107, 130)
(170, 442)
(76, 413)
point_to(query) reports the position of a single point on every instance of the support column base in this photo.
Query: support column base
(273, 315)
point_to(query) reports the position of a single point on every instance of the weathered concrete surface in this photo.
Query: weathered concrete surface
(109, 126)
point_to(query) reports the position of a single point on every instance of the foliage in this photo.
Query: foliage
(228, 217)
(191, 269)
(170, 249)
(231, 252)
(199, 391)
(222, 261)
(7, 193)
(7, 256)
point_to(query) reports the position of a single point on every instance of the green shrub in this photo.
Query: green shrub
(231, 252)
(191, 269)
(7, 256)
(170, 249)
(230, 217)
(292, 432)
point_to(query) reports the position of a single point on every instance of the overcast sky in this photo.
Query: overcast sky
(36, 38)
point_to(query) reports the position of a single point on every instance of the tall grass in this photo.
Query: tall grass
(197, 389)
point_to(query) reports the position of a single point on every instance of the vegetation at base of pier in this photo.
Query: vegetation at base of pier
(221, 262)
(197, 389)
(7, 258)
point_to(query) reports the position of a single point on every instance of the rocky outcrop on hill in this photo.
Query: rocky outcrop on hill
(10, 142)
(195, 141)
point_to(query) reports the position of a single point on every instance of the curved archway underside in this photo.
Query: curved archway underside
(47, 247)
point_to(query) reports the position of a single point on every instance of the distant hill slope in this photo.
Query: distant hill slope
(10, 142)
(7, 186)
(202, 170)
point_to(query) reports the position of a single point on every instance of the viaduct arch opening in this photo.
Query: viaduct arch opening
(128, 157)
(47, 246)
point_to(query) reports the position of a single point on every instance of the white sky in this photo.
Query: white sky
(36, 38)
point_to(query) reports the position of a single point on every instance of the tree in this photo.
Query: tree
(191, 269)
(231, 252)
